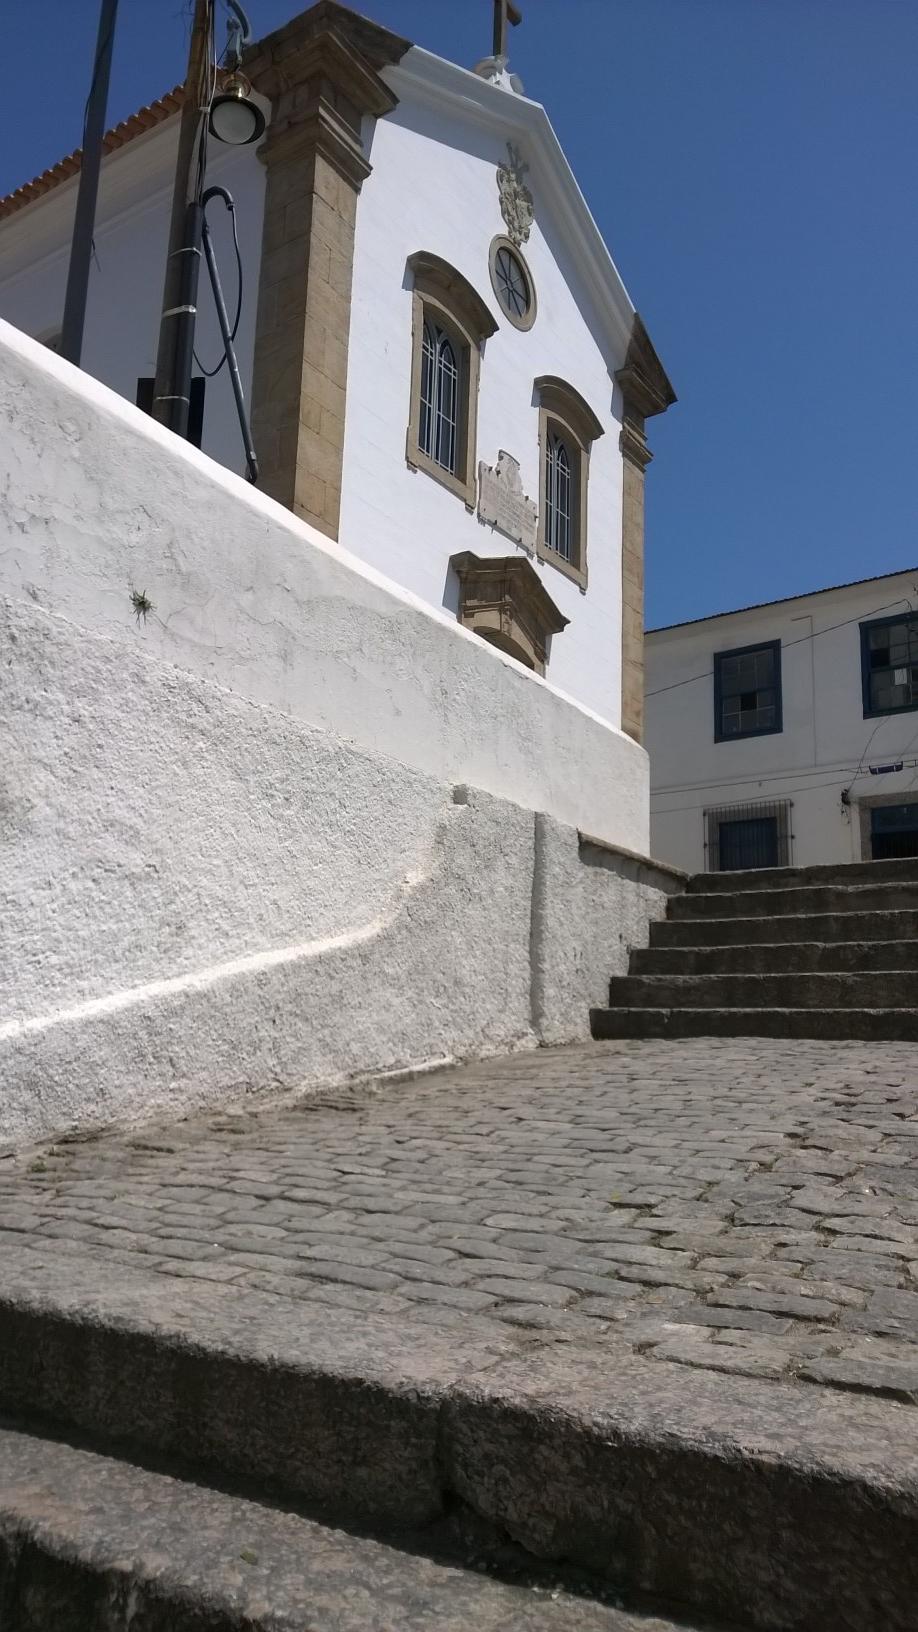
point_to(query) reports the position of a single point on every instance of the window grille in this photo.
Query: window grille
(747, 691)
(889, 664)
(558, 496)
(738, 837)
(439, 422)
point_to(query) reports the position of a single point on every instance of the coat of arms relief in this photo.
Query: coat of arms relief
(516, 205)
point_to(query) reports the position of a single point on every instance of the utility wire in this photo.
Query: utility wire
(755, 781)
(786, 644)
(704, 804)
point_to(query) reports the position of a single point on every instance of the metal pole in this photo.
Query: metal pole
(172, 390)
(228, 347)
(84, 221)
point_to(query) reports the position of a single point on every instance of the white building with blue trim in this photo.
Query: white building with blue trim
(787, 733)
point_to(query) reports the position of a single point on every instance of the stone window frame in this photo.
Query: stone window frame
(563, 410)
(525, 322)
(442, 294)
(502, 600)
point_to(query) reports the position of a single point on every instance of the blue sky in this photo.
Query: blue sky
(751, 164)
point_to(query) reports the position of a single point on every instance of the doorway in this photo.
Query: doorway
(894, 831)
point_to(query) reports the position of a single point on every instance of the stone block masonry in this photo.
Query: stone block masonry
(321, 86)
(286, 826)
(597, 1299)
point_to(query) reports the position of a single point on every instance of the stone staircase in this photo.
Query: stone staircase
(828, 952)
(207, 1458)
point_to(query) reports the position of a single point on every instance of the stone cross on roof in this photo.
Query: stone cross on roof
(504, 12)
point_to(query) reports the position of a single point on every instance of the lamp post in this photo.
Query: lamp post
(231, 117)
(90, 163)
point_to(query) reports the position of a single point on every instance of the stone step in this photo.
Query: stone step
(867, 1025)
(833, 990)
(95, 1544)
(775, 958)
(742, 1505)
(786, 928)
(782, 878)
(821, 898)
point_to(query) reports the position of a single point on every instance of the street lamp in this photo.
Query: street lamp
(235, 118)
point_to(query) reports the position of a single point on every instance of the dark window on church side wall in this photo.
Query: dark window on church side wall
(568, 428)
(443, 368)
(889, 664)
(449, 324)
(747, 691)
(560, 489)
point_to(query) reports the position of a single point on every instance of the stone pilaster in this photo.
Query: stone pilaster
(320, 74)
(645, 391)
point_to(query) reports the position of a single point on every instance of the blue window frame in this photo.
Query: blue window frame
(747, 692)
(889, 664)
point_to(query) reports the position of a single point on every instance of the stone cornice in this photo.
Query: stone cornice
(377, 46)
(502, 598)
(315, 57)
(633, 443)
(320, 87)
(644, 384)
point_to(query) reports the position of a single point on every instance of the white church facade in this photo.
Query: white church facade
(445, 370)
(339, 774)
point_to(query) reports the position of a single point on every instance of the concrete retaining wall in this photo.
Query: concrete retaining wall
(290, 826)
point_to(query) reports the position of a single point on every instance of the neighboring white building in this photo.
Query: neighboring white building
(787, 733)
(444, 366)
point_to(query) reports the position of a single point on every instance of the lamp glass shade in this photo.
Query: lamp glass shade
(235, 120)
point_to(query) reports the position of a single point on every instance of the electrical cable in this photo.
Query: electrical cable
(210, 373)
(786, 644)
(755, 781)
(675, 810)
(209, 90)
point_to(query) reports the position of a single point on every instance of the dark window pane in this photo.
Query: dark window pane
(748, 843)
(747, 685)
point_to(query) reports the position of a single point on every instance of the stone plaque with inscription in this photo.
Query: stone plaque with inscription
(503, 504)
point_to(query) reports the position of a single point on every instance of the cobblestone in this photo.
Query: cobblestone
(743, 1205)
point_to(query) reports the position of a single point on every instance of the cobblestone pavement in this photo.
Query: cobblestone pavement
(748, 1205)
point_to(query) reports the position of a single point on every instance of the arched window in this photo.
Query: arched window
(568, 428)
(450, 321)
(438, 434)
(558, 496)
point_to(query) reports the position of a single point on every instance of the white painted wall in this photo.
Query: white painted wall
(286, 830)
(434, 188)
(126, 285)
(826, 743)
